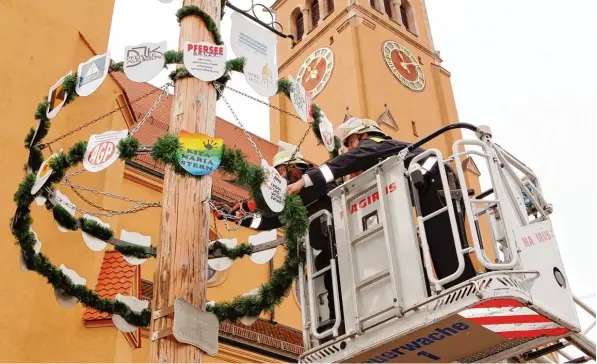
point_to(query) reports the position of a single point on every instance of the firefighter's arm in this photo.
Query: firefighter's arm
(357, 159)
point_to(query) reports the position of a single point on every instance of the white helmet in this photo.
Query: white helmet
(354, 126)
(284, 155)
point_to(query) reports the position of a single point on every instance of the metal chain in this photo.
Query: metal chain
(269, 105)
(133, 209)
(227, 217)
(301, 142)
(262, 102)
(43, 145)
(221, 93)
(74, 173)
(118, 197)
(155, 104)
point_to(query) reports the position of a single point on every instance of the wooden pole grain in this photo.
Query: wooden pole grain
(181, 267)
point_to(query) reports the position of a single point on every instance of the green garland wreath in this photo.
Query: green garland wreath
(294, 218)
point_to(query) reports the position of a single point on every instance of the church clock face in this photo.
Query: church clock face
(316, 71)
(404, 65)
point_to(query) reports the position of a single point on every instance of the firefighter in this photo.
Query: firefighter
(292, 167)
(366, 146)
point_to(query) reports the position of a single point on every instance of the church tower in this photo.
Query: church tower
(373, 59)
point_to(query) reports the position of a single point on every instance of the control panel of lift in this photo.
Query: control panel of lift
(389, 306)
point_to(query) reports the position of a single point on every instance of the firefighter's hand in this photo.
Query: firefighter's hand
(296, 187)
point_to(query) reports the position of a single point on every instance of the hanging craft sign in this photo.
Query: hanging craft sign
(134, 239)
(102, 150)
(93, 243)
(136, 305)
(43, 174)
(63, 299)
(327, 132)
(273, 188)
(221, 264)
(92, 73)
(258, 47)
(265, 237)
(298, 98)
(205, 61)
(56, 97)
(144, 61)
(200, 154)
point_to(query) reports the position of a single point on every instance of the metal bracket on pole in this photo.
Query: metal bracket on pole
(271, 26)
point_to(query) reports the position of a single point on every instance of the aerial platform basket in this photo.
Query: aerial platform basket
(518, 303)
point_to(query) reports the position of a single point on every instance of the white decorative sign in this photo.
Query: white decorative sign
(265, 256)
(65, 202)
(250, 320)
(166, 1)
(63, 299)
(102, 150)
(43, 174)
(144, 61)
(262, 76)
(92, 73)
(327, 132)
(221, 264)
(92, 242)
(298, 98)
(274, 188)
(34, 134)
(36, 249)
(258, 47)
(40, 200)
(137, 239)
(206, 61)
(136, 305)
(56, 97)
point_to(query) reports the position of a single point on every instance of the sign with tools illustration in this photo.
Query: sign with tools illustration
(102, 150)
(273, 188)
(92, 73)
(205, 61)
(200, 154)
(56, 97)
(144, 61)
(258, 46)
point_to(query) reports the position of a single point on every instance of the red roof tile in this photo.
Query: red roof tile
(157, 125)
(116, 276)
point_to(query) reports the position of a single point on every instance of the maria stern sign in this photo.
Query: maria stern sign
(200, 154)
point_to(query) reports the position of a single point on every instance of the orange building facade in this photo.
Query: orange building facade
(45, 41)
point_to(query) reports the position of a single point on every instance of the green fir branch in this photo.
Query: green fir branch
(209, 22)
(76, 153)
(69, 85)
(23, 196)
(173, 57)
(64, 218)
(237, 252)
(284, 87)
(95, 229)
(128, 148)
(132, 250)
(179, 73)
(117, 67)
(36, 158)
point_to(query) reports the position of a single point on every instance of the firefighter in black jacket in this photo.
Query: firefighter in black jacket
(366, 146)
(292, 166)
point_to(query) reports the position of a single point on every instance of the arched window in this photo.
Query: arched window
(314, 13)
(407, 16)
(297, 24)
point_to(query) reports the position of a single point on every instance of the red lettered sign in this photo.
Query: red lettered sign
(102, 150)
